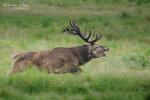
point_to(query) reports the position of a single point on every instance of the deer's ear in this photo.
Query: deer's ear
(89, 48)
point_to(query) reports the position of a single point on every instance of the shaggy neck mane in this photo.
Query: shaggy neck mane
(83, 54)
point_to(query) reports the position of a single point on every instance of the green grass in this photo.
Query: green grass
(124, 74)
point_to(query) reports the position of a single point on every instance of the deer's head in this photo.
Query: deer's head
(95, 50)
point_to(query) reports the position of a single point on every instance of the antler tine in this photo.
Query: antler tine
(98, 36)
(92, 38)
(74, 26)
(85, 31)
(66, 29)
(93, 35)
(89, 35)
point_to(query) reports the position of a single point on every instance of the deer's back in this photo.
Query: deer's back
(58, 57)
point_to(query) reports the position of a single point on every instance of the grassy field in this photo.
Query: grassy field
(124, 74)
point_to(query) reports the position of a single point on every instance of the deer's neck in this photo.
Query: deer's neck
(83, 54)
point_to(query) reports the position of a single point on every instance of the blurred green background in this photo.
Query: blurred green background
(34, 25)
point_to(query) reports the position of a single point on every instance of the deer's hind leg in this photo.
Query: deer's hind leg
(21, 65)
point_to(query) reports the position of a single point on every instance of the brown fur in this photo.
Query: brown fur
(59, 60)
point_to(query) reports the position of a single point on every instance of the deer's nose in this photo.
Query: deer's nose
(106, 49)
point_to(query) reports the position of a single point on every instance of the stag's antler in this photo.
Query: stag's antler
(75, 30)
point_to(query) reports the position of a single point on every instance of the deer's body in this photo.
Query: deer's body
(59, 60)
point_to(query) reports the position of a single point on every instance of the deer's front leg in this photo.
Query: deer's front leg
(75, 69)
(63, 70)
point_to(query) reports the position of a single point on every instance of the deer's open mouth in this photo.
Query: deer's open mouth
(106, 50)
(104, 54)
(101, 54)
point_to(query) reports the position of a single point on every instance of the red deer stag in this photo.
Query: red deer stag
(61, 59)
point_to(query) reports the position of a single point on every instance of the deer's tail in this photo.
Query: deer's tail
(24, 56)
